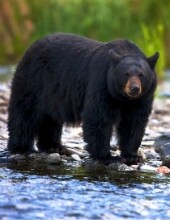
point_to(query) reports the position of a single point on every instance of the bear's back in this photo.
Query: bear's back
(125, 48)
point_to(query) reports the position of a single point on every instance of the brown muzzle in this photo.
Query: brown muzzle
(133, 87)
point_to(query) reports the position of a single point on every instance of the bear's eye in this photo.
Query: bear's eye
(127, 74)
(141, 75)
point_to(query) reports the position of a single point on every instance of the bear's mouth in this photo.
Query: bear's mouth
(133, 89)
(133, 96)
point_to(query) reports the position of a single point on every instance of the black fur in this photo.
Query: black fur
(69, 79)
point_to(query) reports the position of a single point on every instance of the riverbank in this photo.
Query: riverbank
(155, 147)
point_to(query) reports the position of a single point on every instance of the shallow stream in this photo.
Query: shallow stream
(71, 192)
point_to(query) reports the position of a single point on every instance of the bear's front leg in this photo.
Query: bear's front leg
(97, 131)
(130, 131)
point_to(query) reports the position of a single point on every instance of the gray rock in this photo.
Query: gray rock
(17, 158)
(91, 165)
(141, 154)
(69, 151)
(161, 140)
(38, 157)
(54, 158)
(166, 161)
(4, 159)
(155, 163)
(164, 150)
(75, 157)
(151, 154)
(120, 167)
(147, 168)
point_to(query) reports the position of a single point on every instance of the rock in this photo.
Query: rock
(164, 150)
(147, 143)
(141, 154)
(147, 168)
(161, 140)
(163, 170)
(75, 157)
(4, 160)
(155, 163)
(91, 165)
(119, 167)
(151, 154)
(17, 158)
(166, 161)
(70, 151)
(54, 158)
(38, 157)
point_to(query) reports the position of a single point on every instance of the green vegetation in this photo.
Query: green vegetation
(152, 41)
(143, 22)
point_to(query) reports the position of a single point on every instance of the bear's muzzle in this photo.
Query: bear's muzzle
(133, 87)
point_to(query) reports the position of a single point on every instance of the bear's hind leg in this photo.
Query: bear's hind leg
(21, 135)
(49, 136)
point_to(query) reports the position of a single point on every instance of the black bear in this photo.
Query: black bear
(70, 79)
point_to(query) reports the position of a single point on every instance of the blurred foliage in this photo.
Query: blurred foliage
(24, 21)
(152, 40)
(15, 29)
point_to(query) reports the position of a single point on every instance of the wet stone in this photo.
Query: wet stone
(75, 157)
(53, 158)
(164, 149)
(147, 168)
(141, 154)
(69, 151)
(166, 161)
(155, 163)
(17, 158)
(4, 159)
(91, 164)
(161, 140)
(151, 154)
(120, 167)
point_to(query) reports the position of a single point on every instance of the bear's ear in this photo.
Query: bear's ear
(153, 60)
(114, 56)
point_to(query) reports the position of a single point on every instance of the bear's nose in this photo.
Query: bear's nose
(135, 89)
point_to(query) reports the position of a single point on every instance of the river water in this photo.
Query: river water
(72, 192)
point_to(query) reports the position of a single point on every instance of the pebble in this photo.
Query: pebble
(53, 158)
(151, 154)
(141, 154)
(147, 143)
(166, 161)
(69, 151)
(75, 157)
(161, 140)
(17, 158)
(147, 168)
(120, 167)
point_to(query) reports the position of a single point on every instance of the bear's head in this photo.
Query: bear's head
(131, 77)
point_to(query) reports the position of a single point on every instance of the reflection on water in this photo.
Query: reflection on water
(74, 193)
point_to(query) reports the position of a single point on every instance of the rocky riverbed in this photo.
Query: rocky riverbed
(155, 147)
